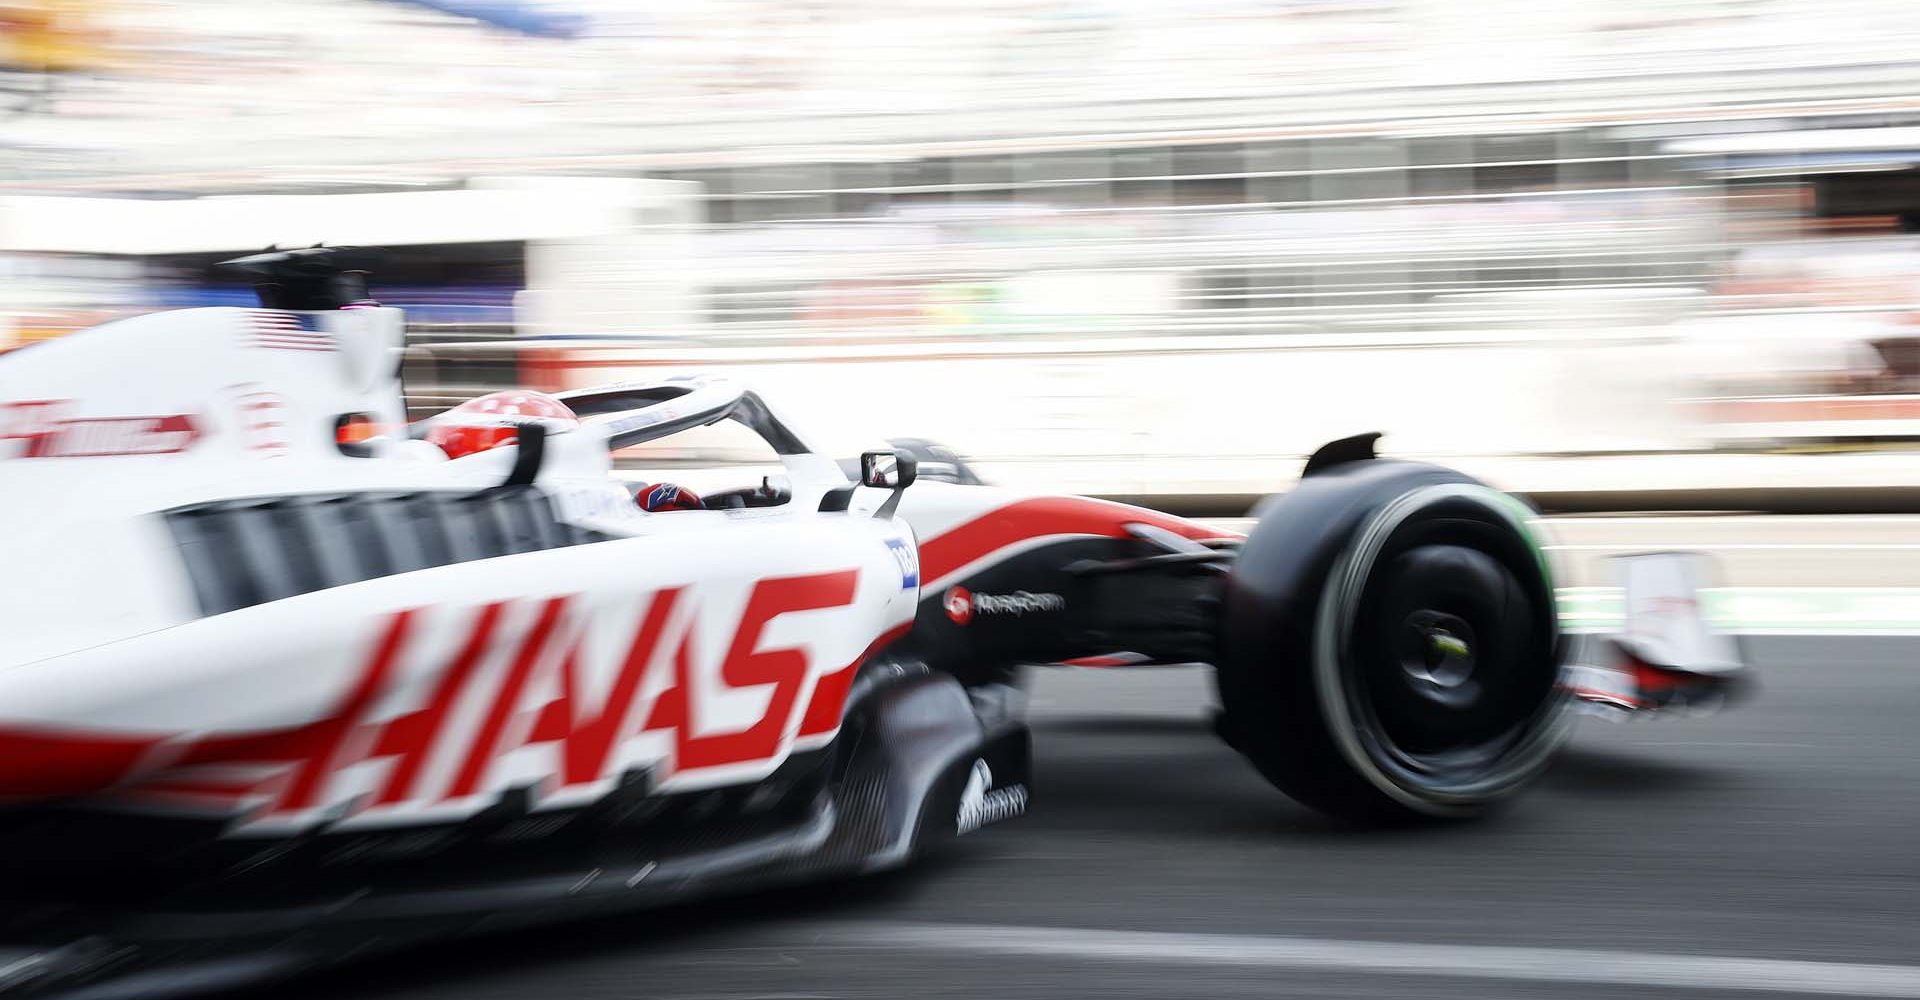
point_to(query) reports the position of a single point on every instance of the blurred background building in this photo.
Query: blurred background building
(1492, 228)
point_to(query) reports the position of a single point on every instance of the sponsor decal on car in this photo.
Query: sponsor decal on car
(963, 605)
(981, 803)
(909, 560)
(278, 330)
(44, 432)
(519, 686)
(959, 605)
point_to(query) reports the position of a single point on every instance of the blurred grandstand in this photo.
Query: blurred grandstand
(867, 171)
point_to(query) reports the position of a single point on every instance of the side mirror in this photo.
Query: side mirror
(888, 470)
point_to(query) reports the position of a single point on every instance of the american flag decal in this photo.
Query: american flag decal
(285, 331)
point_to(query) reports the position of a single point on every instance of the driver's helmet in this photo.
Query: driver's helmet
(492, 420)
(667, 496)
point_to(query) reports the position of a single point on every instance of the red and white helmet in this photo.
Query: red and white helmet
(492, 420)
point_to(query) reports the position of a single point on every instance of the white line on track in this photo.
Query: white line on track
(1557, 965)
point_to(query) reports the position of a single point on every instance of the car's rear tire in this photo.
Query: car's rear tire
(1390, 647)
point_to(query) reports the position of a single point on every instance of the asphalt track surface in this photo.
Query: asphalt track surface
(1770, 850)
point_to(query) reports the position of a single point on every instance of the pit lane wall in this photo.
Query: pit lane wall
(1197, 416)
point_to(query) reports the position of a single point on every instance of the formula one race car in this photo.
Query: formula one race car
(285, 678)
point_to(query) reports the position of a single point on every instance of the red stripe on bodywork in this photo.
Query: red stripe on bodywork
(830, 692)
(410, 737)
(1040, 517)
(747, 665)
(1110, 660)
(198, 789)
(481, 753)
(43, 762)
(315, 745)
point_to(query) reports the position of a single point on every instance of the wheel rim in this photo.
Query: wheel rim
(1436, 656)
(1440, 644)
(1439, 683)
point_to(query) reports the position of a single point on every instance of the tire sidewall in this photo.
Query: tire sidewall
(1333, 628)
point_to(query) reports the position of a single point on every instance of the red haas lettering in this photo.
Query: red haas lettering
(585, 732)
(410, 737)
(311, 748)
(485, 743)
(589, 734)
(785, 669)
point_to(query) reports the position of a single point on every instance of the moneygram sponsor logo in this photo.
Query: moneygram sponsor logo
(959, 605)
(962, 605)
